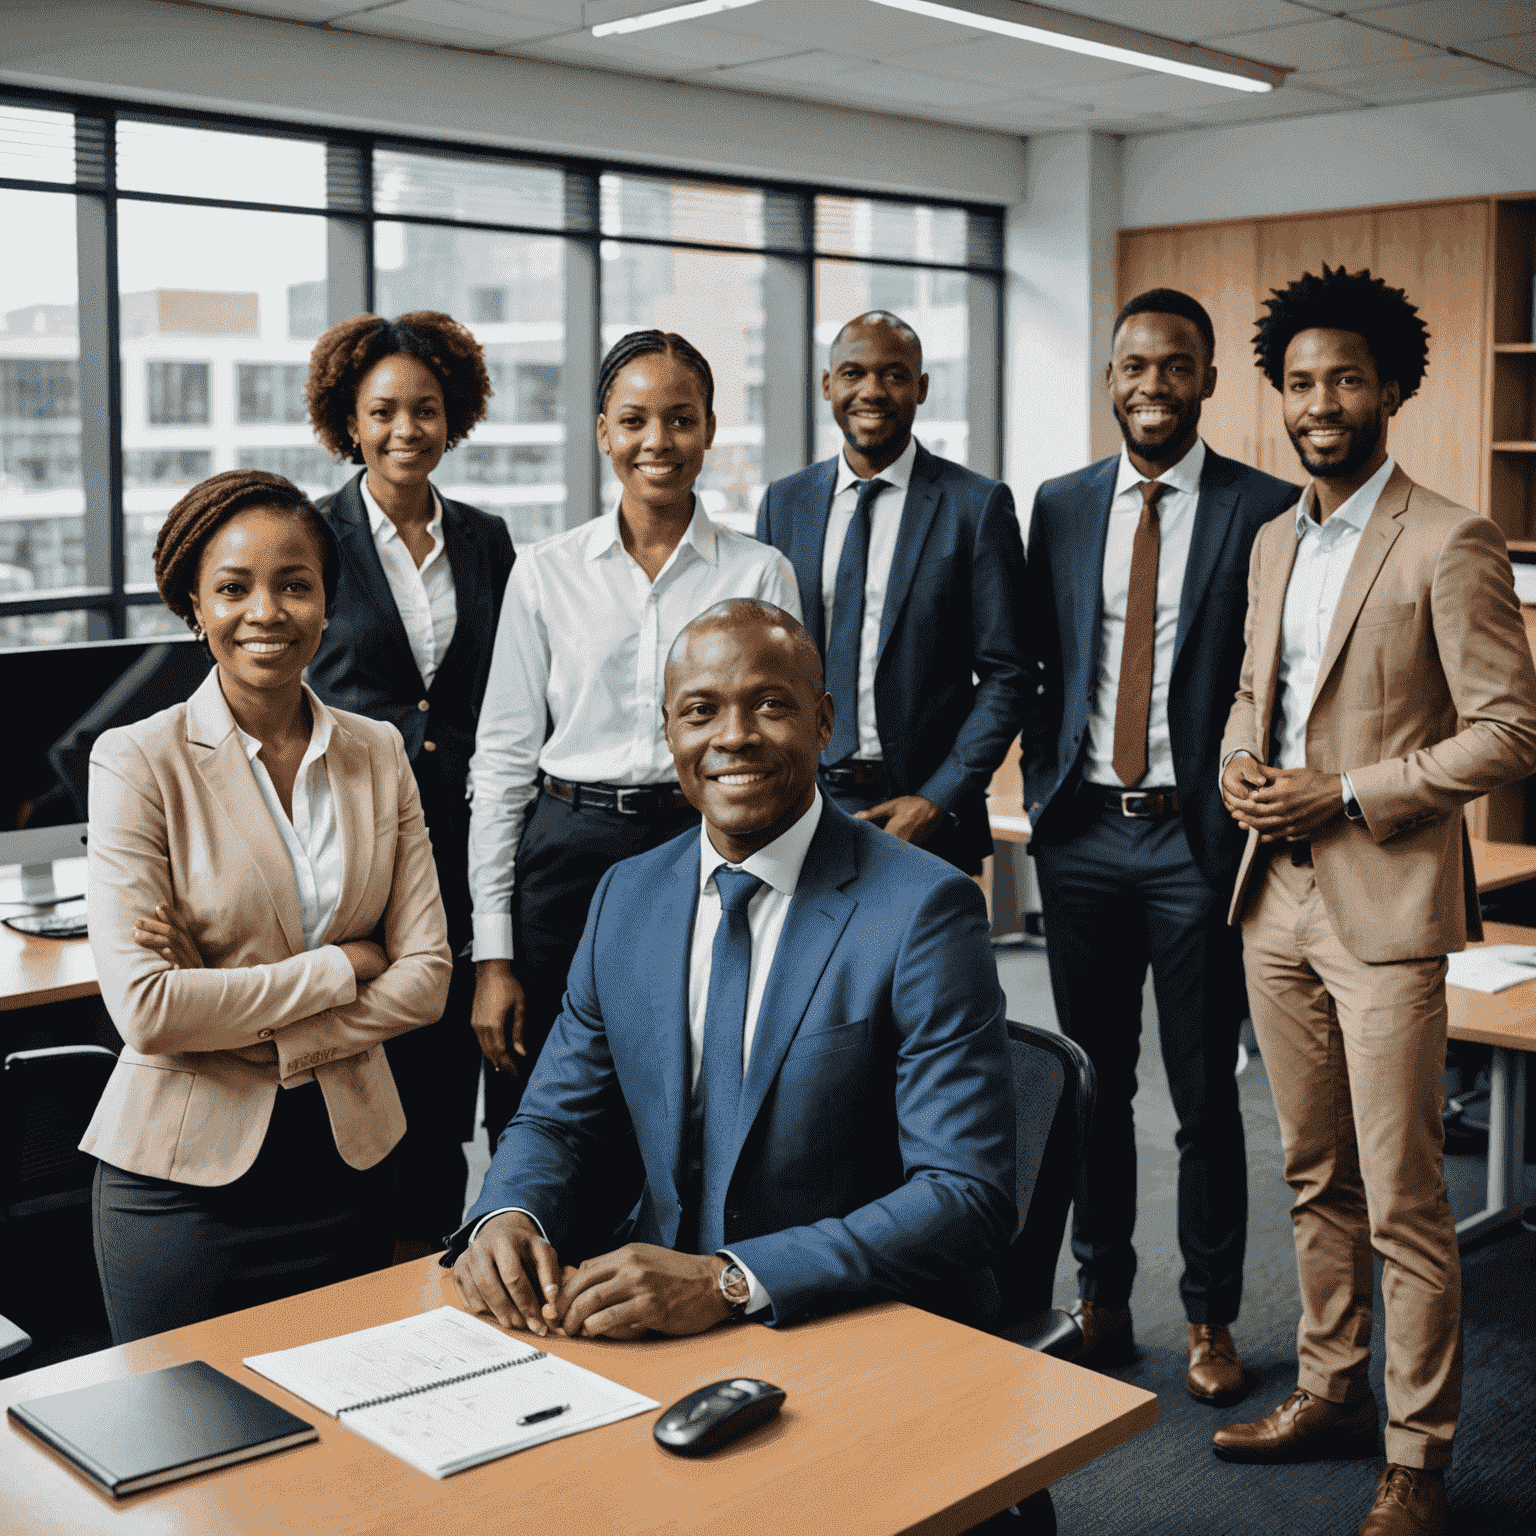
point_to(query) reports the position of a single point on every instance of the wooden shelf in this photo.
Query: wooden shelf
(1514, 447)
(1519, 348)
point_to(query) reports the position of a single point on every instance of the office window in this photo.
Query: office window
(202, 162)
(512, 463)
(176, 394)
(266, 392)
(312, 469)
(36, 144)
(860, 226)
(459, 187)
(703, 212)
(167, 466)
(63, 626)
(42, 502)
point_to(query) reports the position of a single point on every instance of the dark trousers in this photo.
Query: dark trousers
(437, 1067)
(1119, 895)
(561, 856)
(171, 1254)
(943, 844)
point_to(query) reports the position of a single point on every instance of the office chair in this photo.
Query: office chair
(1053, 1086)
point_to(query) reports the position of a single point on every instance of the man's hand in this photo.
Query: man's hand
(909, 817)
(641, 1288)
(510, 1272)
(498, 993)
(1240, 778)
(1289, 803)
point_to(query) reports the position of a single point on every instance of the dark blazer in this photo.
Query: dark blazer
(365, 663)
(951, 611)
(1064, 592)
(875, 1139)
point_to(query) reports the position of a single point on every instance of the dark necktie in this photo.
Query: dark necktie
(1133, 700)
(719, 1086)
(847, 629)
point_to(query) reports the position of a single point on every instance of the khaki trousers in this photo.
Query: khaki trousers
(1355, 1055)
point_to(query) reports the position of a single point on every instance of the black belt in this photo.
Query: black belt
(626, 799)
(1138, 804)
(855, 773)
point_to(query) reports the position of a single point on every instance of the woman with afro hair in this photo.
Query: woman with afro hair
(417, 604)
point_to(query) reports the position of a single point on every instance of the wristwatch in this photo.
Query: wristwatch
(735, 1287)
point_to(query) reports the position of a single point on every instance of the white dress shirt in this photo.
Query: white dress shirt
(425, 596)
(1324, 552)
(583, 642)
(313, 837)
(1176, 510)
(884, 526)
(778, 867)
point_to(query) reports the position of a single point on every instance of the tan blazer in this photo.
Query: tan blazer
(176, 816)
(1426, 697)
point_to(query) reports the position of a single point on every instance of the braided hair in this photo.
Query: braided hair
(1346, 301)
(637, 344)
(343, 356)
(207, 507)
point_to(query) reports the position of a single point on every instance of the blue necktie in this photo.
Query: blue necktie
(725, 1017)
(847, 629)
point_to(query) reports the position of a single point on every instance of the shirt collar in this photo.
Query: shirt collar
(778, 864)
(1355, 513)
(1183, 476)
(699, 535)
(319, 736)
(378, 518)
(898, 474)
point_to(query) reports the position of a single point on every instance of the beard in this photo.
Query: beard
(1172, 448)
(1367, 437)
(897, 436)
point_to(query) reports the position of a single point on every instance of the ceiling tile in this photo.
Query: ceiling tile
(446, 21)
(1189, 20)
(679, 49)
(1519, 51)
(1024, 66)
(853, 27)
(1289, 101)
(1149, 91)
(905, 89)
(564, 13)
(1436, 75)
(796, 68)
(1323, 44)
(1448, 22)
(294, 10)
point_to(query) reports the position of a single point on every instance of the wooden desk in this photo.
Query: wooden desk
(1499, 864)
(896, 1422)
(1005, 801)
(34, 971)
(1507, 1021)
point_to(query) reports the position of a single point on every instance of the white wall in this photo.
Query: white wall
(178, 55)
(1464, 148)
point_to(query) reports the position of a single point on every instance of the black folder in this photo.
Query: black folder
(154, 1428)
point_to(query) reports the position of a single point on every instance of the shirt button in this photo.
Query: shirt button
(263, 1034)
(429, 746)
(423, 706)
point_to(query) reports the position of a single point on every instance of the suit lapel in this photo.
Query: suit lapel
(818, 914)
(1267, 627)
(810, 551)
(669, 943)
(917, 515)
(232, 783)
(1213, 521)
(1094, 532)
(351, 775)
(349, 517)
(462, 552)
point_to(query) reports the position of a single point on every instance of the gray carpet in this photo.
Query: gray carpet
(1166, 1482)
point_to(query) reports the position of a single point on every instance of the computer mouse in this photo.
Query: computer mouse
(715, 1415)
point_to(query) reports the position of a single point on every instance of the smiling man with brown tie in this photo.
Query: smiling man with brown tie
(1388, 680)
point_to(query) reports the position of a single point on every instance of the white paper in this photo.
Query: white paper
(1525, 581)
(1492, 968)
(446, 1426)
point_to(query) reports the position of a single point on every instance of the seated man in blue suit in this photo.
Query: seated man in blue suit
(909, 569)
(796, 1019)
(1135, 597)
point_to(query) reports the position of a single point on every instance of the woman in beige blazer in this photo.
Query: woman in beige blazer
(264, 914)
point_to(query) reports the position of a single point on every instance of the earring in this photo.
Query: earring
(200, 634)
(325, 623)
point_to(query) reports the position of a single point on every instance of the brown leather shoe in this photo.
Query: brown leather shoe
(1107, 1336)
(1302, 1428)
(1216, 1374)
(1409, 1502)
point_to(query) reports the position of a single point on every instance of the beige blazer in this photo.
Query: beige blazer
(176, 816)
(1426, 697)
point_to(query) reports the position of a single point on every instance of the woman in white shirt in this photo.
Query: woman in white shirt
(417, 601)
(264, 915)
(571, 772)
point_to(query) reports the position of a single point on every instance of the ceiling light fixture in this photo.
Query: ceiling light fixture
(1120, 44)
(672, 13)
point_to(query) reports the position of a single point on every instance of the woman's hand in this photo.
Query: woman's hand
(167, 935)
(368, 960)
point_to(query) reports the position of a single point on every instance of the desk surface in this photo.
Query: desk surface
(950, 1426)
(34, 971)
(1501, 864)
(1506, 1018)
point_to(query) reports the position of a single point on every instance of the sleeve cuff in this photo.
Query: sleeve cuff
(505, 1210)
(759, 1299)
(1351, 800)
(492, 936)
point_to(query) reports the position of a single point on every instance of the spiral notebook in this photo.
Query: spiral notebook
(445, 1391)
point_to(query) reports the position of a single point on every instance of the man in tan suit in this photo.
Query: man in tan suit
(1387, 681)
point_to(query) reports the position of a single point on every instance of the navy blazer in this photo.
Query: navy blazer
(875, 1140)
(951, 613)
(1064, 600)
(365, 664)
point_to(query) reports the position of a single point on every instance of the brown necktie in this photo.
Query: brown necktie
(1133, 701)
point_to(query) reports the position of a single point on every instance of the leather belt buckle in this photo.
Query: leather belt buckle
(636, 801)
(1138, 811)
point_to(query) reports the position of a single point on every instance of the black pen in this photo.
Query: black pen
(544, 1413)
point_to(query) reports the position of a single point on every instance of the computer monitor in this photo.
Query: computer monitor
(61, 699)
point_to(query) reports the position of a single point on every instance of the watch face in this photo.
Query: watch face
(734, 1286)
